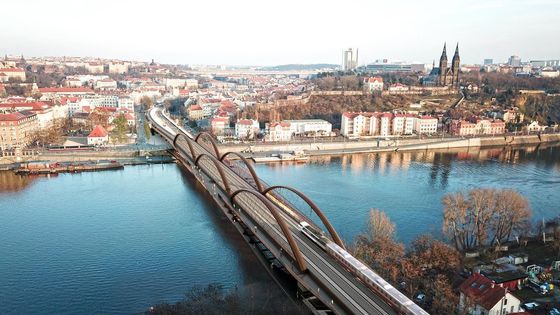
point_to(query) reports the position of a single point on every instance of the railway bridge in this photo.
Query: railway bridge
(330, 279)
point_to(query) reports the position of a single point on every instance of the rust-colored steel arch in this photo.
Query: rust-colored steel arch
(218, 167)
(249, 166)
(209, 137)
(315, 208)
(283, 226)
(188, 140)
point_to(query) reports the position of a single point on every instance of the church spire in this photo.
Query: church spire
(457, 50)
(444, 53)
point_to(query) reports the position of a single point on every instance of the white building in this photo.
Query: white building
(481, 296)
(98, 136)
(375, 84)
(12, 73)
(175, 83)
(385, 124)
(403, 124)
(549, 73)
(118, 67)
(426, 125)
(356, 124)
(94, 67)
(310, 127)
(246, 128)
(278, 131)
(191, 83)
(106, 84)
(398, 88)
(126, 103)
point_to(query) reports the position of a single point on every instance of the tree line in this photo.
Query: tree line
(480, 218)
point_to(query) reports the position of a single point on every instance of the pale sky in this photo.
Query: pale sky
(272, 32)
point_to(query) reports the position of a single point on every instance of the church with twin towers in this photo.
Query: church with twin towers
(449, 76)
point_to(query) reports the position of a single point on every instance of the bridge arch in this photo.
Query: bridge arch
(188, 140)
(283, 226)
(315, 209)
(249, 167)
(212, 141)
(219, 167)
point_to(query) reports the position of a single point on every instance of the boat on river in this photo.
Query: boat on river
(295, 156)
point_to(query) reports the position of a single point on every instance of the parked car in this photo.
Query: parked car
(530, 306)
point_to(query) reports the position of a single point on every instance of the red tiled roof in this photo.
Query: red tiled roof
(12, 117)
(11, 70)
(35, 106)
(66, 90)
(219, 119)
(375, 79)
(196, 107)
(482, 290)
(98, 132)
(245, 122)
(66, 100)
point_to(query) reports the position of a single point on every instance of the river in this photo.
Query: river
(120, 241)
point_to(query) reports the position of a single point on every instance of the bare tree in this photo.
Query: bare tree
(486, 218)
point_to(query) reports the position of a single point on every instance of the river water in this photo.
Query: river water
(409, 186)
(120, 241)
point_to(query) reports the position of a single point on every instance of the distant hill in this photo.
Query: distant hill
(292, 67)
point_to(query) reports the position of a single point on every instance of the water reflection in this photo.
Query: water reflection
(409, 186)
(10, 182)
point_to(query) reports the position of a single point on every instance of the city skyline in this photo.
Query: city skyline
(300, 33)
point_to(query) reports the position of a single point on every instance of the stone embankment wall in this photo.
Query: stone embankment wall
(317, 148)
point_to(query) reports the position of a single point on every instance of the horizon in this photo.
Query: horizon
(234, 34)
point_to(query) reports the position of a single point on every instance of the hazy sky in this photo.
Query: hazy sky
(269, 32)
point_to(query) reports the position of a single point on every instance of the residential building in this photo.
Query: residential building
(50, 93)
(191, 83)
(12, 73)
(309, 127)
(549, 73)
(106, 84)
(534, 126)
(73, 82)
(481, 296)
(385, 122)
(118, 67)
(94, 67)
(398, 88)
(426, 125)
(278, 131)
(218, 125)
(98, 136)
(375, 84)
(477, 127)
(126, 103)
(195, 112)
(356, 124)
(403, 124)
(246, 128)
(16, 129)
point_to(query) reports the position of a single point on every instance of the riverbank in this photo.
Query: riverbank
(384, 145)
(124, 157)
